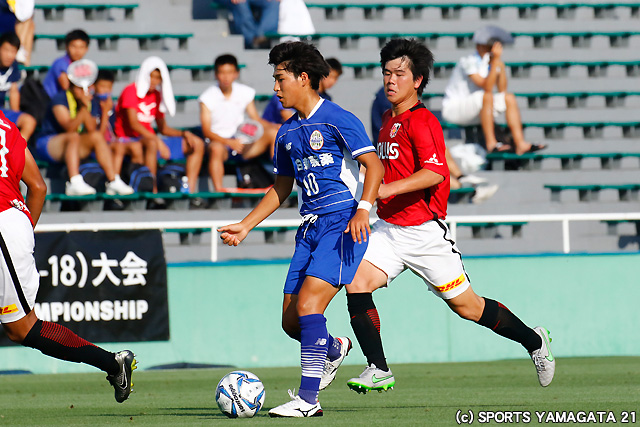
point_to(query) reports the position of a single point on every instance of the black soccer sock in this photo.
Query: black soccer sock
(366, 326)
(500, 320)
(57, 341)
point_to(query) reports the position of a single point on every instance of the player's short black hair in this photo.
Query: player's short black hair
(334, 64)
(419, 56)
(298, 58)
(227, 58)
(76, 34)
(107, 75)
(11, 38)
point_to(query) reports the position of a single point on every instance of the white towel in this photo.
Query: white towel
(168, 104)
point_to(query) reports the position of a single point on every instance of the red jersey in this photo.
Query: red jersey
(408, 143)
(147, 110)
(12, 146)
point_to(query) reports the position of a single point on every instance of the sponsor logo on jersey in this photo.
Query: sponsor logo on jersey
(433, 160)
(19, 205)
(388, 150)
(8, 309)
(451, 285)
(287, 146)
(316, 141)
(394, 129)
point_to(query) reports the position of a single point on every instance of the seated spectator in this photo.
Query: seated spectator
(70, 132)
(274, 112)
(222, 110)
(470, 99)
(10, 76)
(103, 89)
(17, 16)
(483, 190)
(145, 101)
(245, 23)
(327, 83)
(77, 45)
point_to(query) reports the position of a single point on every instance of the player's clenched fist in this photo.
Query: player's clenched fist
(233, 234)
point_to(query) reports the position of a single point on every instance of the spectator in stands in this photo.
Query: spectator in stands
(244, 21)
(470, 99)
(70, 132)
(223, 107)
(334, 74)
(77, 45)
(147, 100)
(103, 88)
(274, 112)
(483, 190)
(17, 16)
(10, 76)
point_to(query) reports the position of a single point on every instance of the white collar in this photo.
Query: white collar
(315, 108)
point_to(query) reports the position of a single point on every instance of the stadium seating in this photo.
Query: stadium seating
(55, 11)
(148, 41)
(574, 69)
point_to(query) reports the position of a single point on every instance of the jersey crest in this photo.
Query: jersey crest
(394, 129)
(316, 140)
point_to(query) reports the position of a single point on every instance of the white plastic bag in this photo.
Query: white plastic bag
(470, 157)
(294, 18)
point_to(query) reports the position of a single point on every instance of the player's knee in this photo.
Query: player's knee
(509, 98)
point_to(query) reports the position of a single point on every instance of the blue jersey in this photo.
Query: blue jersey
(320, 152)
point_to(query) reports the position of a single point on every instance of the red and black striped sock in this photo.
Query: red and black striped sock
(503, 322)
(60, 342)
(366, 326)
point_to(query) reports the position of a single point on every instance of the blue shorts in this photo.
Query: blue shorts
(175, 146)
(173, 142)
(12, 115)
(324, 251)
(41, 149)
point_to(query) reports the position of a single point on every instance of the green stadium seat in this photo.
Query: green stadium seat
(590, 192)
(568, 161)
(482, 230)
(96, 11)
(110, 41)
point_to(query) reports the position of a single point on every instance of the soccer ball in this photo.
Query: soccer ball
(240, 394)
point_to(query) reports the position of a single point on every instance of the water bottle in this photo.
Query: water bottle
(184, 188)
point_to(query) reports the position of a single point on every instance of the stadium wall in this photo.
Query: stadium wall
(229, 314)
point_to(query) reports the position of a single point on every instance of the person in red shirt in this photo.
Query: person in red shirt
(19, 278)
(147, 100)
(411, 233)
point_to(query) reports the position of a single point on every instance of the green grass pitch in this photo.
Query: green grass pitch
(425, 394)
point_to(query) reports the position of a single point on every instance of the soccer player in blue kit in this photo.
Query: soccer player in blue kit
(320, 148)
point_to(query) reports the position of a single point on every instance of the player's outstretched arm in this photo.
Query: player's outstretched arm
(359, 225)
(36, 187)
(233, 234)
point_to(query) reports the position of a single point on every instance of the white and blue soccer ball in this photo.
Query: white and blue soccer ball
(240, 394)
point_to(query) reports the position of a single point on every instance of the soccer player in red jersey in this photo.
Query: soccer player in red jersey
(19, 278)
(411, 233)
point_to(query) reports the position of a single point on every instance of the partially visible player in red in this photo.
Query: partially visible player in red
(19, 278)
(411, 233)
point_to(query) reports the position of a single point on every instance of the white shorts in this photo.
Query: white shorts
(19, 278)
(425, 249)
(466, 111)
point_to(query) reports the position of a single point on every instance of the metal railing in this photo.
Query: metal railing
(453, 221)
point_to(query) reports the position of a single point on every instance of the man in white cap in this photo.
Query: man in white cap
(70, 133)
(469, 97)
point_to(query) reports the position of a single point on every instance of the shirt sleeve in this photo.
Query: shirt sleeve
(428, 141)
(60, 99)
(352, 133)
(282, 164)
(15, 75)
(129, 97)
(470, 65)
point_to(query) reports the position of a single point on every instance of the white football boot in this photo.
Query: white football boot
(296, 408)
(331, 366)
(372, 379)
(543, 359)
